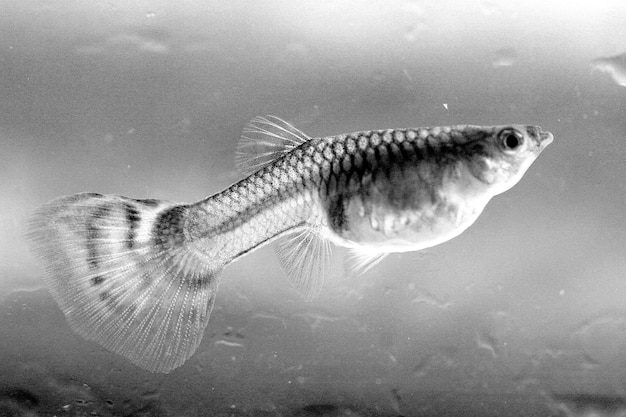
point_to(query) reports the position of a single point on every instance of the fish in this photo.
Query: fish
(140, 276)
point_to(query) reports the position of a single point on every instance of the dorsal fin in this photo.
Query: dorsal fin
(305, 256)
(264, 139)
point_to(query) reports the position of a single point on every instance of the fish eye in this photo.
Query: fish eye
(511, 139)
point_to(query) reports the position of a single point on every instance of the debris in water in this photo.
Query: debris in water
(589, 405)
(227, 343)
(615, 66)
(430, 299)
(489, 343)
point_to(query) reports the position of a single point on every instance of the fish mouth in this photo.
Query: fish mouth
(545, 138)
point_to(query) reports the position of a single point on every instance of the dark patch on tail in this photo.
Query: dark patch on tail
(133, 217)
(93, 233)
(168, 228)
(198, 281)
(97, 280)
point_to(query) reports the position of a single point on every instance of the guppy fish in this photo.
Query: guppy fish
(140, 277)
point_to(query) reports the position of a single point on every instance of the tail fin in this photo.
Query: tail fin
(126, 275)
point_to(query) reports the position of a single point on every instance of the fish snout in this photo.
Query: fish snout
(546, 138)
(543, 138)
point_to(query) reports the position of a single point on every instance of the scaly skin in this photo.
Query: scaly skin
(387, 190)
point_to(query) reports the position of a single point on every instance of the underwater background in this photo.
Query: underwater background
(524, 314)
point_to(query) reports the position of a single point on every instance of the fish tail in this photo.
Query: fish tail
(126, 275)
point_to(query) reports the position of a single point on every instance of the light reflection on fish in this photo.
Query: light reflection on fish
(140, 276)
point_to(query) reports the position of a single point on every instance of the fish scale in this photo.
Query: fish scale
(140, 277)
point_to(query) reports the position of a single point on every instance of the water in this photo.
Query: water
(521, 315)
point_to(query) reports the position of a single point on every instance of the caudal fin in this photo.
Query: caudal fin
(126, 276)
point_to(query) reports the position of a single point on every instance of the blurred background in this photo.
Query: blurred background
(521, 315)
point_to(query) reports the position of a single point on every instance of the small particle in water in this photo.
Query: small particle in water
(427, 298)
(150, 15)
(505, 57)
(562, 293)
(615, 66)
(227, 343)
(445, 105)
(150, 395)
(487, 342)
(315, 320)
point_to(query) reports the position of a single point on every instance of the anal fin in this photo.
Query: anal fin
(305, 255)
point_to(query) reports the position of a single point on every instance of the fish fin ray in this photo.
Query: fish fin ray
(360, 261)
(305, 255)
(264, 139)
(125, 277)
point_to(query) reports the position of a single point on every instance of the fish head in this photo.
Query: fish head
(500, 156)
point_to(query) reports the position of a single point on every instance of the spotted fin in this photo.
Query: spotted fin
(125, 275)
(305, 256)
(264, 139)
(360, 261)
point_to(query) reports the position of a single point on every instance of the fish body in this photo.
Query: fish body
(140, 276)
